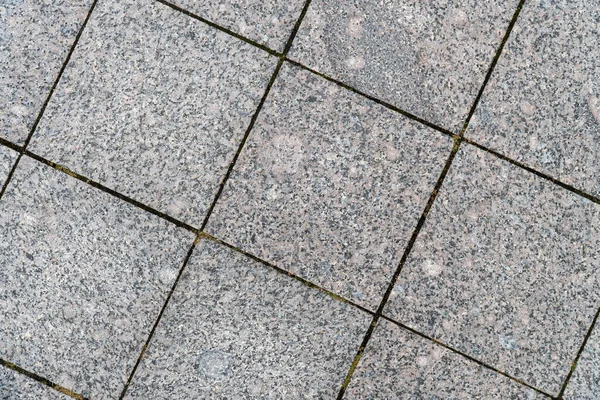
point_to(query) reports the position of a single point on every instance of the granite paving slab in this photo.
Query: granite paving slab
(504, 270)
(330, 186)
(236, 328)
(83, 276)
(7, 159)
(269, 22)
(585, 381)
(153, 105)
(426, 57)
(15, 386)
(398, 364)
(542, 103)
(35, 38)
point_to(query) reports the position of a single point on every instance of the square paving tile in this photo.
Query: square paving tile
(153, 105)
(269, 22)
(504, 270)
(15, 386)
(398, 364)
(236, 328)
(585, 381)
(35, 38)
(542, 103)
(7, 159)
(426, 57)
(330, 186)
(83, 276)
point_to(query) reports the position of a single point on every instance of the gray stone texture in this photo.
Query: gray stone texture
(426, 57)
(35, 37)
(504, 270)
(269, 22)
(83, 276)
(7, 159)
(398, 364)
(330, 186)
(542, 103)
(585, 381)
(153, 105)
(237, 329)
(15, 386)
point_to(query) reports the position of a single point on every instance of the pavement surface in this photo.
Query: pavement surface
(268, 199)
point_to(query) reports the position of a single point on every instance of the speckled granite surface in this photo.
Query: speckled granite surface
(426, 57)
(35, 37)
(505, 270)
(328, 206)
(7, 160)
(238, 329)
(82, 278)
(542, 105)
(153, 105)
(338, 203)
(269, 22)
(14, 386)
(585, 382)
(398, 364)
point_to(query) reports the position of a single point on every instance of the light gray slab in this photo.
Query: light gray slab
(35, 37)
(398, 364)
(15, 386)
(330, 186)
(504, 270)
(153, 105)
(83, 276)
(542, 103)
(585, 381)
(236, 328)
(7, 159)
(269, 22)
(426, 57)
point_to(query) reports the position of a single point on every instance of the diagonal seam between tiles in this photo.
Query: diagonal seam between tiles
(16, 148)
(241, 145)
(41, 379)
(527, 168)
(475, 360)
(490, 70)
(110, 191)
(374, 99)
(292, 36)
(576, 360)
(219, 27)
(420, 223)
(158, 318)
(256, 113)
(286, 273)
